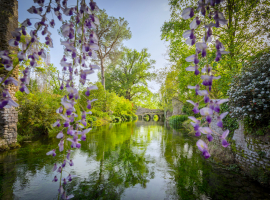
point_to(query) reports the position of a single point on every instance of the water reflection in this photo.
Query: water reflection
(143, 160)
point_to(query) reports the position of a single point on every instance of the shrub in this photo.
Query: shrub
(250, 91)
(134, 118)
(177, 120)
(261, 175)
(128, 118)
(36, 112)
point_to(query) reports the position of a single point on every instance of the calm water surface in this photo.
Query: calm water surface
(142, 160)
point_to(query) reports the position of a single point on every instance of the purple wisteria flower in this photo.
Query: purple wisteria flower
(196, 106)
(71, 163)
(193, 58)
(196, 125)
(202, 146)
(88, 89)
(206, 69)
(89, 103)
(70, 177)
(64, 163)
(220, 117)
(55, 179)
(7, 101)
(207, 131)
(64, 196)
(223, 138)
(188, 13)
(207, 80)
(193, 69)
(207, 112)
(79, 60)
(61, 145)
(220, 50)
(196, 87)
(205, 94)
(52, 152)
(54, 167)
(201, 47)
(218, 103)
(60, 135)
(57, 123)
(195, 23)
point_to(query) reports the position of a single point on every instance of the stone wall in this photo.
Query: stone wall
(8, 117)
(217, 151)
(251, 151)
(168, 114)
(177, 107)
(248, 151)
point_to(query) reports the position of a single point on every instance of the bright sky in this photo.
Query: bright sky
(145, 18)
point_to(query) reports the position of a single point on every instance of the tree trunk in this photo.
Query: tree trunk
(128, 95)
(102, 73)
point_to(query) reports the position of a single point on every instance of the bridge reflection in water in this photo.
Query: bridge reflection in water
(143, 113)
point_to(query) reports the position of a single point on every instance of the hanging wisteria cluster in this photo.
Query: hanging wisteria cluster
(206, 8)
(81, 49)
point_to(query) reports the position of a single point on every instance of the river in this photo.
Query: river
(140, 161)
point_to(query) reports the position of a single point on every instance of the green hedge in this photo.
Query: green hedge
(134, 118)
(177, 120)
(128, 118)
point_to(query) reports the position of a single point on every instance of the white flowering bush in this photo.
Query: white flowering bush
(250, 91)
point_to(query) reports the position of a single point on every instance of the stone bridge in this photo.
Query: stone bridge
(142, 112)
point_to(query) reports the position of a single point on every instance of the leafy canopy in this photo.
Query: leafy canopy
(129, 75)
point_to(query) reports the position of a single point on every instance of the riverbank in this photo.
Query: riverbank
(252, 165)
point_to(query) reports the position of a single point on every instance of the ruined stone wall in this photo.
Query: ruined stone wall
(248, 151)
(251, 151)
(8, 117)
(177, 107)
(218, 152)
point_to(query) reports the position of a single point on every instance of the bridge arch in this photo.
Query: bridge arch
(147, 115)
(141, 112)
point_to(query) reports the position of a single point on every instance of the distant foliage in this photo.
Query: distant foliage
(177, 120)
(250, 92)
(108, 104)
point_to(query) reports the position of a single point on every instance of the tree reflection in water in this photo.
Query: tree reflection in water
(142, 160)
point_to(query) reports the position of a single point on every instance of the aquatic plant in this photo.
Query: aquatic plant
(207, 9)
(81, 48)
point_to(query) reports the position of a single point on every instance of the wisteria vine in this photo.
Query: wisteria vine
(76, 44)
(206, 8)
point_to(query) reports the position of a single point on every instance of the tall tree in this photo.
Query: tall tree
(245, 35)
(111, 33)
(129, 75)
